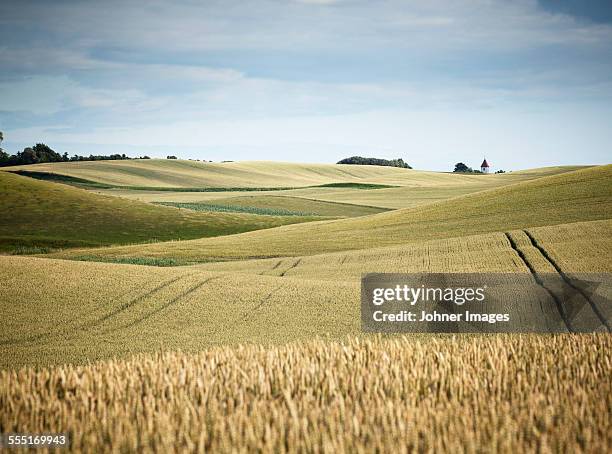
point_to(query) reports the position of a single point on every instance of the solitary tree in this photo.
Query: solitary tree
(461, 167)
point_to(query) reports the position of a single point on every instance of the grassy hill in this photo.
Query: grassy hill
(163, 173)
(570, 197)
(107, 309)
(38, 214)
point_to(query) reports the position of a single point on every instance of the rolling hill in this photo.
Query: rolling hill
(581, 195)
(576, 247)
(38, 214)
(162, 173)
(108, 309)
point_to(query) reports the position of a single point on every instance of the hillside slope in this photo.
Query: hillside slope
(575, 247)
(582, 195)
(107, 310)
(163, 173)
(41, 214)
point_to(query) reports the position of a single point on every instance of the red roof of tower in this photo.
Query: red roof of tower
(484, 164)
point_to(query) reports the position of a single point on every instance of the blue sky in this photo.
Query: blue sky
(524, 83)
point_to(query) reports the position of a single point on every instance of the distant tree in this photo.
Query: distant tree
(462, 168)
(171, 157)
(501, 171)
(42, 153)
(358, 160)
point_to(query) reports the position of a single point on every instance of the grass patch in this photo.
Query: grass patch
(235, 209)
(365, 186)
(30, 250)
(148, 261)
(29, 245)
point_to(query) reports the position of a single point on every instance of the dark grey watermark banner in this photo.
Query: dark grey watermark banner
(486, 303)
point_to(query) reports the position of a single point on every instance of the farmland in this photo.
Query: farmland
(254, 339)
(280, 205)
(570, 197)
(255, 174)
(506, 393)
(39, 215)
(415, 188)
(125, 308)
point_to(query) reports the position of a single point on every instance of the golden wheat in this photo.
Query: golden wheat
(576, 247)
(454, 394)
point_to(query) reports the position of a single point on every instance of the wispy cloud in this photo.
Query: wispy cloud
(76, 72)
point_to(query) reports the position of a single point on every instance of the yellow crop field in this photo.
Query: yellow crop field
(418, 188)
(258, 344)
(253, 174)
(390, 198)
(578, 247)
(105, 309)
(571, 197)
(508, 393)
(428, 270)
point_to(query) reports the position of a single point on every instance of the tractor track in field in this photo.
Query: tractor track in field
(294, 265)
(540, 282)
(277, 264)
(166, 305)
(94, 323)
(263, 273)
(259, 305)
(124, 307)
(567, 280)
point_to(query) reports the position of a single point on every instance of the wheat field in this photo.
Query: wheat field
(415, 188)
(107, 309)
(583, 195)
(516, 393)
(164, 173)
(257, 344)
(580, 247)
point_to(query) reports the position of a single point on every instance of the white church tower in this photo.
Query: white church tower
(484, 167)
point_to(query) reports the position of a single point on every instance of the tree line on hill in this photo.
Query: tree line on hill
(41, 153)
(375, 162)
